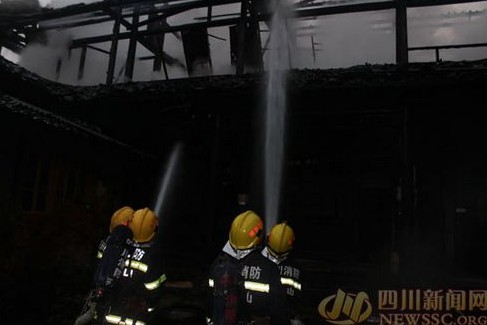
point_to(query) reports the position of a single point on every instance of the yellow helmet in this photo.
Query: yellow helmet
(246, 230)
(121, 217)
(144, 225)
(281, 239)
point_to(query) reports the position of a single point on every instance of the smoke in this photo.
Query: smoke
(42, 59)
(346, 40)
(349, 39)
(332, 41)
(447, 25)
(219, 42)
(19, 6)
(63, 3)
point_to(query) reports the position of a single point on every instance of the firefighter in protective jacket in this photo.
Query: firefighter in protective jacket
(264, 295)
(112, 252)
(110, 265)
(280, 242)
(225, 280)
(137, 291)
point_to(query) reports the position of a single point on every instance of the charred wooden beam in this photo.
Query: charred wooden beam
(249, 47)
(114, 48)
(454, 46)
(146, 58)
(73, 24)
(130, 63)
(97, 49)
(210, 10)
(401, 34)
(196, 48)
(105, 38)
(173, 7)
(438, 48)
(241, 27)
(99, 8)
(164, 57)
(82, 61)
(59, 64)
(232, 21)
(428, 3)
(101, 16)
(372, 6)
(157, 41)
(332, 10)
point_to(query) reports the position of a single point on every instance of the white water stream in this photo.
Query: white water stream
(279, 58)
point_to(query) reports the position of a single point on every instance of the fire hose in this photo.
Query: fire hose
(88, 312)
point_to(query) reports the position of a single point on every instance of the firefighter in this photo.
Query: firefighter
(280, 242)
(138, 289)
(264, 297)
(225, 281)
(111, 255)
(121, 217)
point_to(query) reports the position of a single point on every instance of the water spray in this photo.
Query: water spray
(279, 62)
(167, 179)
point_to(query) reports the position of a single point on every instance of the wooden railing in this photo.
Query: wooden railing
(437, 48)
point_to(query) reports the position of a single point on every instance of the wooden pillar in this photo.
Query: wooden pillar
(155, 41)
(256, 41)
(156, 66)
(129, 65)
(157, 44)
(59, 65)
(241, 37)
(164, 66)
(82, 61)
(313, 48)
(210, 10)
(113, 50)
(248, 37)
(402, 57)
